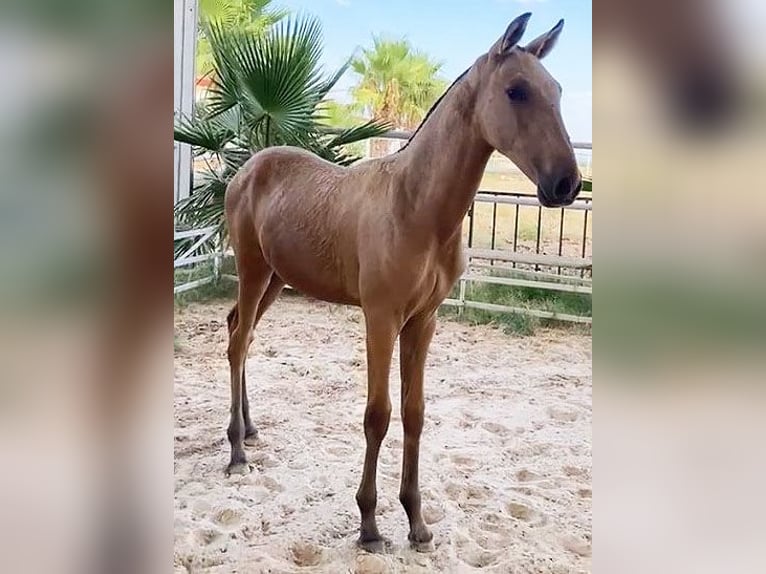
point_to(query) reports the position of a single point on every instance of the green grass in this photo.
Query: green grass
(222, 289)
(522, 324)
(511, 323)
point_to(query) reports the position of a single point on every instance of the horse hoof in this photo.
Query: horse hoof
(238, 468)
(374, 545)
(421, 539)
(425, 547)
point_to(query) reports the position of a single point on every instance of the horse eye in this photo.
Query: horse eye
(516, 94)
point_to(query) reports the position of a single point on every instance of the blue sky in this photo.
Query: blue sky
(456, 32)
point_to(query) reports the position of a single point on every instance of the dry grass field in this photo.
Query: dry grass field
(549, 219)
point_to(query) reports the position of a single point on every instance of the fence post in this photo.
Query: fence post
(470, 214)
(461, 298)
(184, 42)
(218, 259)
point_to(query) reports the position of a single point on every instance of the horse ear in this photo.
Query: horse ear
(542, 45)
(513, 34)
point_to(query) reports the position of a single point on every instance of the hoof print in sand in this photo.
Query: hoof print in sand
(563, 414)
(227, 517)
(432, 514)
(525, 475)
(576, 546)
(495, 428)
(479, 558)
(305, 554)
(526, 513)
(370, 564)
(206, 536)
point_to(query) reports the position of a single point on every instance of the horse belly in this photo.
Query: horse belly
(302, 242)
(315, 277)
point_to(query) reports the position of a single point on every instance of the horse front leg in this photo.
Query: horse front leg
(414, 342)
(382, 330)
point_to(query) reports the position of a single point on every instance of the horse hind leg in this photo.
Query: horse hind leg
(254, 278)
(272, 292)
(251, 433)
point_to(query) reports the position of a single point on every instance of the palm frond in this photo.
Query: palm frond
(225, 92)
(370, 129)
(202, 133)
(278, 75)
(224, 11)
(204, 205)
(267, 89)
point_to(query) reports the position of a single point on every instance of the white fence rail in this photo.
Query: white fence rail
(466, 304)
(207, 237)
(531, 201)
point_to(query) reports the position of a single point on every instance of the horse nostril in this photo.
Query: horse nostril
(563, 188)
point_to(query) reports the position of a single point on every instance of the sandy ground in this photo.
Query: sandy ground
(505, 455)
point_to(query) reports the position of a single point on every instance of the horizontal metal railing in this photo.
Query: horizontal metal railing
(188, 256)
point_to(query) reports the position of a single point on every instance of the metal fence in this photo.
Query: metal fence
(200, 251)
(527, 262)
(520, 201)
(523, 264)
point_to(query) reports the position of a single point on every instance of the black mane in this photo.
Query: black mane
(430, 111)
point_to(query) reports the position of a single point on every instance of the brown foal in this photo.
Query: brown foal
(385, 235)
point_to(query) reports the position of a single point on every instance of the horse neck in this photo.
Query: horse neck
(443, 165)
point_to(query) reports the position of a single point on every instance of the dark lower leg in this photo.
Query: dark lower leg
(376, 420)
(381, 334)
(236, 429)
(251, 289)
(250, 431)
(272, 292)
(232, 321)
(409, 493)
(415, 340)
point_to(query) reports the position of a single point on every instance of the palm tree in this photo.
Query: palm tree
(397, 84)
(340, 115)
(251, 16)
(267, 90)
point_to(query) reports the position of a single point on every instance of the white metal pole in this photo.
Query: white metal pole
(184, 49)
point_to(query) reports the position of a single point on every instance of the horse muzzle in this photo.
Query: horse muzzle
(559, 192)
